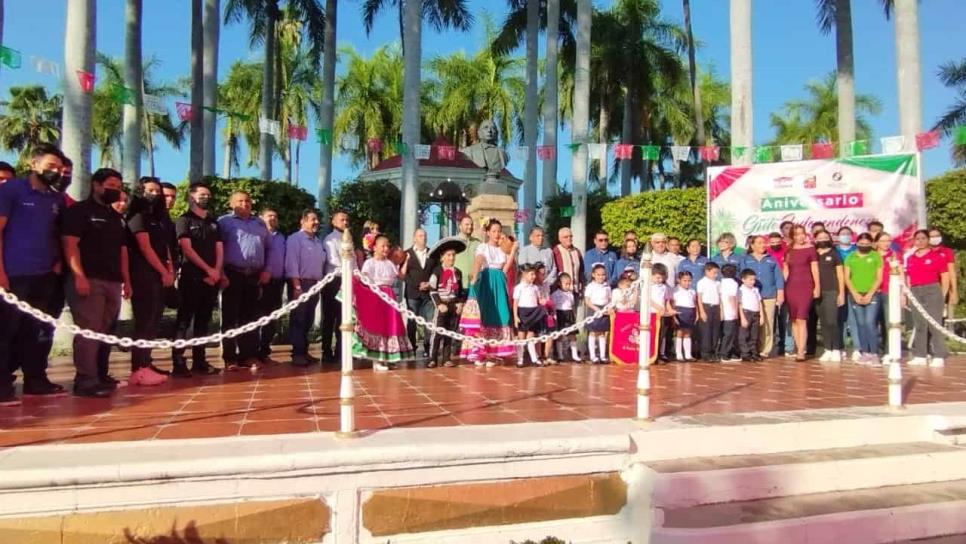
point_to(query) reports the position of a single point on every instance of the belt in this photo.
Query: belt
(245, 271)
(314, 280)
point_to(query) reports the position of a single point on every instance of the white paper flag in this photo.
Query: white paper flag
(893, 144)
(154, 104)
(269, 126)
(421, 151)
(349, 142)
(44, 66)
(681, 152)
(598, 151)
(521, 153)
(792, 152)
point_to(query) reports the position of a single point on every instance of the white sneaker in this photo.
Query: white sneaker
(490, 364)
(918, 361)
(937, 362)
(856, 356)
(380, 367)
(826, 356)
(836, 356)
(873, 360)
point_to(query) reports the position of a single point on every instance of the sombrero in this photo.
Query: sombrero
(445, 245)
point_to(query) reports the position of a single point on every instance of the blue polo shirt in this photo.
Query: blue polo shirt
(735, 258)
(844, 252)
(275, 258)
(245, 241)
(594, 256)
(768, 275)
(30, 237)
(695, 267)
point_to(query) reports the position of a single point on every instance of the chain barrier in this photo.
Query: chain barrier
(126, 342)
(412, 316)
(938, 327)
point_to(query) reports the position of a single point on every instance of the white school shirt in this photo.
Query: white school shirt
(526, 295)
(660, 294)
(598, 294)
(749, 298)
(382, 272)
(493, 257)
(683, 298)
(709, 292)
(729, 288)
(562, 300)
(623, 299)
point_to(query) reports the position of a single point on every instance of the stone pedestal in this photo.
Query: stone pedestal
(494, 206)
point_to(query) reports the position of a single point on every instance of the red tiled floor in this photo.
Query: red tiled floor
(281, 399)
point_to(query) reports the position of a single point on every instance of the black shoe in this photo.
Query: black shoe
(757, 359)
(300, 361)
(94, 391)
(205, 369)
(313, 360)
(159, 370)
(107, 381)
(9, 398)
(181, 371)
(328, 358)
(43, 389)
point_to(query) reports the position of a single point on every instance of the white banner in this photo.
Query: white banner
(349, 142)
(422, 151)
(681, 153)
(893, 144)
(598, 151)
(269, 126)
(848, 192)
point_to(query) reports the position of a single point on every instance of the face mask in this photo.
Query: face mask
(845, 239)
(49, 177)
(62, 184)
(776, 247)
(202, 203)
(824, 244)
(864, 249)
(152, 200)
(935, 240)
(110, 196)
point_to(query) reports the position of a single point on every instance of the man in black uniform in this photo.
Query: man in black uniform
(201, 277)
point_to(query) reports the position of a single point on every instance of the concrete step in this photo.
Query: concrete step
(953, 436)
(868, 516)
(949, 539)
(709, 480)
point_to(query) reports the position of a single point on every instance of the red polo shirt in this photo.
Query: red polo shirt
(925, 269)
(946, 253)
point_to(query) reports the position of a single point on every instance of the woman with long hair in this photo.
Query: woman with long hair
(801, 286)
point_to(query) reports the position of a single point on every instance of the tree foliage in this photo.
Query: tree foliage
(30, 117)
(675, 212)
(946, 207)
(554, 219)
(816, 118)
(369, 200)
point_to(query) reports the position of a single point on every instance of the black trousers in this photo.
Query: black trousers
(811, 327)
(441, 347)
(710, 332)
(419, 306)
(55, 307)
(748, 336)
(666, 345)
(331, 318)
(828, 316)
(147, 303)
(240, 305)
(21, 334)
(271, 300)
(729, 338)
(198, 300)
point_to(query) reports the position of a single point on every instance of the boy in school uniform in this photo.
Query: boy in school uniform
(751, 315)
(729, 314)
(709, 312)
(448, 295)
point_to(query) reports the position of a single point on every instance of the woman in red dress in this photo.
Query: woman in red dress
(801, 285)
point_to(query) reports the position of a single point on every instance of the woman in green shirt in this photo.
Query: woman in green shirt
(863, 276)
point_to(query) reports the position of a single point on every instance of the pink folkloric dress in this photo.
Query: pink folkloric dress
(380, 333)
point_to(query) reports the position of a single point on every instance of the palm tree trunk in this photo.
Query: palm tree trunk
(627, 137)
(530, 114)
(907, 67)
(298, 152)
(131, 152)
(211, 26)
(227, 158)
(742, 130)
(148, 131)
(693, 72)
(80, 42)
(581, 109)
(550, 105)
(287, 162)
(327, 114)
(845, 75)
(196, 161)
(603, 131)
(268, 75)
(411, 117)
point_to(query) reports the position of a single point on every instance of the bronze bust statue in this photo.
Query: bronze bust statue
(485, 153)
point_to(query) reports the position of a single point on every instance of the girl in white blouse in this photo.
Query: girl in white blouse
(380, 333)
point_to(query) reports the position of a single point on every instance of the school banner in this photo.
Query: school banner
(625, 337)
(756, 199)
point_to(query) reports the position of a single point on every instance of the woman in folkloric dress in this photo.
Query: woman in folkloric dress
(380, 333)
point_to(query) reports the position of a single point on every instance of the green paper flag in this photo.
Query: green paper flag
(401, 148)
(960, 136)
(763, 154)
(122, 94)
(567, 211)
(651, 152)
(10, 57)
(239, 116)
(574, 147)
(738, 151)
(440, 218)
(324, 136)
(858, 147)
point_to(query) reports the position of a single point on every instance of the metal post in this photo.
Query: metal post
(644, 340)
(894, 316)
(347, 426)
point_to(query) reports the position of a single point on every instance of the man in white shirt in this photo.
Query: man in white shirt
(536, 253)
(331, 307)
(416, 271)
(661, 255)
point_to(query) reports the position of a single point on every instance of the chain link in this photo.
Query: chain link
(492, 342)
(925, 315)
(12, 299)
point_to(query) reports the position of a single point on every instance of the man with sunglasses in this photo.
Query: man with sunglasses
(600, 253)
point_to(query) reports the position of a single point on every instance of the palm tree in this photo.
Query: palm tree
(211, 26)
(530, 113)
(816, 118)
(131, 157)
(264, 16)
(693, 75)
(240, 93)
(30, 118)
(197, 151)
(953, 75)
(327, 107)
(79, 44)
(742, 114)
(1, 21)
(581, 121)
(907, 65)
(550, 98)
(440, 14)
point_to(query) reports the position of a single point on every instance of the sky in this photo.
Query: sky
(788, 51)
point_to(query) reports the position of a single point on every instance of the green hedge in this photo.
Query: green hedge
(946, 206)
(287, 200)
(376, 200)
(675, 212)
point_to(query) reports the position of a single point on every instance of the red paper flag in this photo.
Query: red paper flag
(374, 145)
(822, 150)
(298, 132)
(927, 140)
(446, 152)
(710, 153)
(86, 80)
(185, 111)
(623, 151)
(546, 152)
